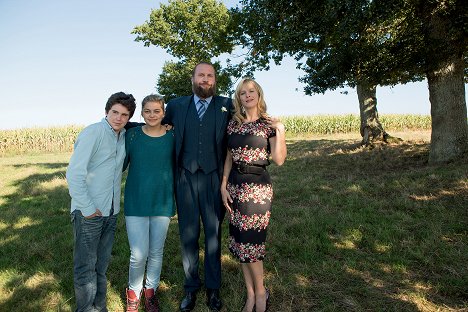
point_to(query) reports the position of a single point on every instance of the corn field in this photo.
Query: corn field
(61, 139)
(38, 140)
(331, 124)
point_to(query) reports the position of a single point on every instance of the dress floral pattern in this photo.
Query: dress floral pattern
(252, 193)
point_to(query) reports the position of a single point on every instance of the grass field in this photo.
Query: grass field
(352, 229)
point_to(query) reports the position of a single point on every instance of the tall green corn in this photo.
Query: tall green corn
(38, 140)
(61, 139)
(330, 124)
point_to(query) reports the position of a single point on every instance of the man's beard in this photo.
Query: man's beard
(202, 92)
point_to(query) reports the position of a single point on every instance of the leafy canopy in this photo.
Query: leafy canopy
(345, 42)
(191, 31)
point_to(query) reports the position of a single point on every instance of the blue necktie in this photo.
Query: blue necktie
(202, 104)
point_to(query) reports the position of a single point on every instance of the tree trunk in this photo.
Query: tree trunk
(371, 128)
(449, 137)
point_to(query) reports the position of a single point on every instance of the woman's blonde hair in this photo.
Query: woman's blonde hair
(239, 113)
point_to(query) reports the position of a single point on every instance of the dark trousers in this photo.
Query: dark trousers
(198, 195)
(92, 252)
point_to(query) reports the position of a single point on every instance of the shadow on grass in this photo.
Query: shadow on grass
(355, 229)
(59, 165)
(37, 245)
(351, 230)
(36, 249)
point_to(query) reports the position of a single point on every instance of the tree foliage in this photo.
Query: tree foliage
(191, 31)
(367, 43)
(174, 80)
(336, 43)
(339, 43)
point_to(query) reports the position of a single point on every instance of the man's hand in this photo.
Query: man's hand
(98, 213)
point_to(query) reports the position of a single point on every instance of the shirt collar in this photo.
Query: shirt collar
(107, 123)
(110, 127)
(196, 99)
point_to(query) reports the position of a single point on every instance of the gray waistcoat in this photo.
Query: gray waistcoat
(199, 147)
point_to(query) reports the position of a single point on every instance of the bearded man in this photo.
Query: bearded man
(200, 122)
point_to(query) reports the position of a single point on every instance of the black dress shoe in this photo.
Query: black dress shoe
(188, 303)
(213, 301)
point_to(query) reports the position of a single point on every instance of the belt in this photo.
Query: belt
(250, 169)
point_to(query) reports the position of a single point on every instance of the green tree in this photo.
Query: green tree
(191, 31)
(334, 42)
(174, 81)
(363, 44)
(443, 29)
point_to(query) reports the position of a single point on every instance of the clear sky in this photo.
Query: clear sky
(61, 60)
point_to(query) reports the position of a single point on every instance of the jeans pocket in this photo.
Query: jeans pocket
(94, 218)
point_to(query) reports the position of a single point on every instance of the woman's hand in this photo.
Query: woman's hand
(278, 142)
(275, 123)
(226, 198)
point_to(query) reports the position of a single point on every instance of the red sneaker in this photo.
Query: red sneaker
(132, 301)
(151, 301)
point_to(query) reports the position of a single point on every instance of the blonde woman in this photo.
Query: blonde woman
(246, 189)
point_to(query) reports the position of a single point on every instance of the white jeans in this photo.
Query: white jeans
(146, 236)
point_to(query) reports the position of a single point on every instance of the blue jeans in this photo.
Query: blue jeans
(146, 236)
(93, 246)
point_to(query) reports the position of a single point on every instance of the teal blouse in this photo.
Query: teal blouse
(149, 189)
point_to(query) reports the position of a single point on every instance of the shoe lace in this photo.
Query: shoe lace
(132, 305)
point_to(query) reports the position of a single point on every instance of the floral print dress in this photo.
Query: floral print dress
(251, 193)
